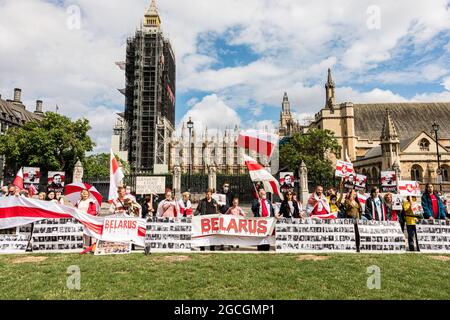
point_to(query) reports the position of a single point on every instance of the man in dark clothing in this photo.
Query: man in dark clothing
(263, 208)
(207, 206)
(229, 197)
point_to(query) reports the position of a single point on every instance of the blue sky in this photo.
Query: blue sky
(235, 59)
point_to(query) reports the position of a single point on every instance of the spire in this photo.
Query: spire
(330, 82)
(330, 91)
(286, 106)
(389, 133)
(152, 18)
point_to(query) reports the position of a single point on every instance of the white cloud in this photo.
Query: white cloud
(212, 113)
(446, 83)
(295, 41)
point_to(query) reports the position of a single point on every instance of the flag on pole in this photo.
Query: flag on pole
(116, 177)
(259, 173)
(263, 143)
(32, 191)
(18, 180)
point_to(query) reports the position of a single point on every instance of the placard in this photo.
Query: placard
(315, 236)
(57, 236)
(344, 169)
(150, 185)
(381, 237)
(410, 188)
(13, 243)
(397, 202)
(388, 181)
(167, 235)
(361, 182)
(123, 229)
(104, 248)
(433, 236)
(56, 181)
(287, 181)
(31, 175)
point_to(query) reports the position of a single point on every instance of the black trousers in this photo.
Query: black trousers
(264, 247)
(412, 234)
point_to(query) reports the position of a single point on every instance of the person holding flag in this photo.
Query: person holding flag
(318, 206)
(263, 208)
(115, 180)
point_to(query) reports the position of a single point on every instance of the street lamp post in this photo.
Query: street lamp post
(190, 126)
(439, 171)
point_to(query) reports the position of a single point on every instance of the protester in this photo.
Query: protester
(129, 194)
(235, 210)
(42, 196)
(433, 207)
(391, 214)
(375, 207)
(207, 206)
(318, 203)
(168, 208)
(147, 208)
(185, 205)
(59, 197)
(299, 203)
(289, 207)
(262, 208)
(24, 194)
(336, 205)
(51, 196)
(4, 191)
(124, 205)
(411, 216)
(228, 198)
(352, 207)
(86, 204)
(12, 189)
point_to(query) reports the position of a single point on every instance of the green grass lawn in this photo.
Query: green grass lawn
(224, 276)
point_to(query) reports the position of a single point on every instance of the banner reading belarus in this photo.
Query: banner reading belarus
(119, 229)
(232, 230)
(344, 169)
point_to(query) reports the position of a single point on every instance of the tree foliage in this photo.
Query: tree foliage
(55, 143)
(314, 149)
(97, 166)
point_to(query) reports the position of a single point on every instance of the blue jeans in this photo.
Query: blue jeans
(412, 234)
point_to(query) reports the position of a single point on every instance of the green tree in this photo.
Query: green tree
(97, 165)
(55, 143)
(314, 149)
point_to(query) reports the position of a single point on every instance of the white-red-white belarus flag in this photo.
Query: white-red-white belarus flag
(116, 177)
(19, 211)
(259, 173)
(263, 143)
(18, 180)
(344, 169)
(362, 200)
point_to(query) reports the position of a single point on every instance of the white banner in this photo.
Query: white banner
(410, 188)
(316, 236)
(344, 169)
(232, 230)
(381, 237)
(150, 185)
(169, 235)
(119, 229)
(434, 236)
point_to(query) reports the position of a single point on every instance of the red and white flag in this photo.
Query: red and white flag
(116, 177)
(410, 188)
(263, 143)
(18, 211)
(362, 200)
(344, 169)
(259, 173)
(32, 191)
(18, 180)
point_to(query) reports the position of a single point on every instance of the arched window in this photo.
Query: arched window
(424, 145)
(417, 173)
(374, 173)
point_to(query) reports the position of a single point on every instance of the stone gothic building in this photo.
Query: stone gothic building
(376, 136)
(220, 151)
(288, 125)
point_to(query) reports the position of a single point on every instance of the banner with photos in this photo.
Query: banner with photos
(433, 236)
(57, 236)
(381, 237)
(104, 248)
(13, 243)
(315, 236)
(232, 230)
(166, 235)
